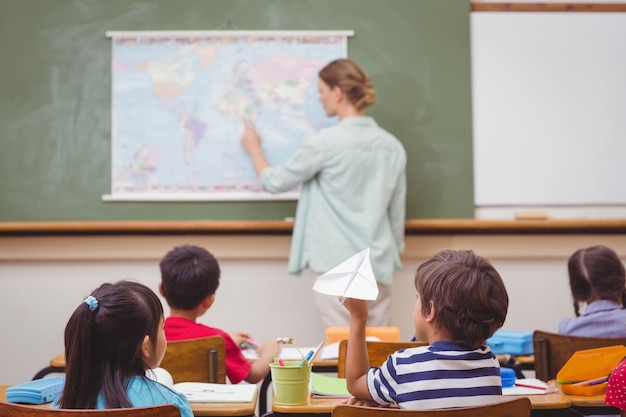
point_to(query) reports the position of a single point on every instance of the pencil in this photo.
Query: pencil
(529, 386)
(317, 351)
(595, 381)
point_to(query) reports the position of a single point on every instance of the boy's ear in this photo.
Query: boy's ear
(431, 313)
(145, 347)
(208, 301)
(160, 287)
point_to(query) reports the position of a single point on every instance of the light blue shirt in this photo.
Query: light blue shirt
(143, 392)
(602, 318)
(353, 197)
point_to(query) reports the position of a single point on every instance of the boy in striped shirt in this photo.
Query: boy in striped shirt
(461, 301)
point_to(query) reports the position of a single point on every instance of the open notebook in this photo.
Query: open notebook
(204, 392)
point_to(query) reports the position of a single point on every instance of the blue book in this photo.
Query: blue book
(39, 391)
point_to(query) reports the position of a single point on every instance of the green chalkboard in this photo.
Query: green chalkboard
(55, 97)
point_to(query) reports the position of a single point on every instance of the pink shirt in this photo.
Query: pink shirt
(237, 366)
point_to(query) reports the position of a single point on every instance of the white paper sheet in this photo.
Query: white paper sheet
(331, 351)
(204, 392)
(526, 386)
(354, 278)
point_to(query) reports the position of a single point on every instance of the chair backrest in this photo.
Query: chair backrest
(553, 350)
(18, 410)
(384, 333)
(377, 352)
(196, 360)
(513, 407)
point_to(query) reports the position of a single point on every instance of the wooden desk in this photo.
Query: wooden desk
(327, 405)
(587, 401)
(591, 405)
(199, 409)
(325, 365)
(224, 409)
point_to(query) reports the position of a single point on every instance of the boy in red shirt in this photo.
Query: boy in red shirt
(189, 278)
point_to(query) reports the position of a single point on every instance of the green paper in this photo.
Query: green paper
(329, 386)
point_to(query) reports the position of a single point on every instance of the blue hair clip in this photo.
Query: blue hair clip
(92, 302)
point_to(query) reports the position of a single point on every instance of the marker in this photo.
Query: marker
(595, 381)
(248, 345)
(599, 381)
(307, 357)
(253, 344)
(281, 362)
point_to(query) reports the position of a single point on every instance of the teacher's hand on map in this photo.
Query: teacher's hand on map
(251, 142)
(250, 138)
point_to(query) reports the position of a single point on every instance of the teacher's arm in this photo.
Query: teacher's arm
(251, 142)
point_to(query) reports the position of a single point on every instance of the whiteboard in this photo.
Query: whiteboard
(549, 109)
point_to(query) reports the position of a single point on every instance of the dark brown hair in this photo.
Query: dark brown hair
(188, 275)
(352, 80)
(468, 295)
(103, 344)
(596, 272)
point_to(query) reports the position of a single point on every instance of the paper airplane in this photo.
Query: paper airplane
(353, 278)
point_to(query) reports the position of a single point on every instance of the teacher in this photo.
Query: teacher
(353, 192)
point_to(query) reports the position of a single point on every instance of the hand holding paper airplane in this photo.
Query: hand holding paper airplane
(353, 278)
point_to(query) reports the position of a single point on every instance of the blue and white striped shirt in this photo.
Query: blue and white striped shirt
(442, 375)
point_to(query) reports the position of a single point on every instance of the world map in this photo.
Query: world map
(178, 104)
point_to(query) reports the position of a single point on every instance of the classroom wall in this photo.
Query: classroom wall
(43, 279)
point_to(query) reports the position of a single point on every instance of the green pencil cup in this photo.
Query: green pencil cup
(291, 382)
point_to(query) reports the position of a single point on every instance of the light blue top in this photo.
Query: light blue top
(353, 197)
(602, 318)
(143, 392)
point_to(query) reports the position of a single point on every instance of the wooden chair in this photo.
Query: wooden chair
(514, 407)
(553, 350)
(377, 352)
(57, 364)
(19, 410)
(196, 360)
(384, 333)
